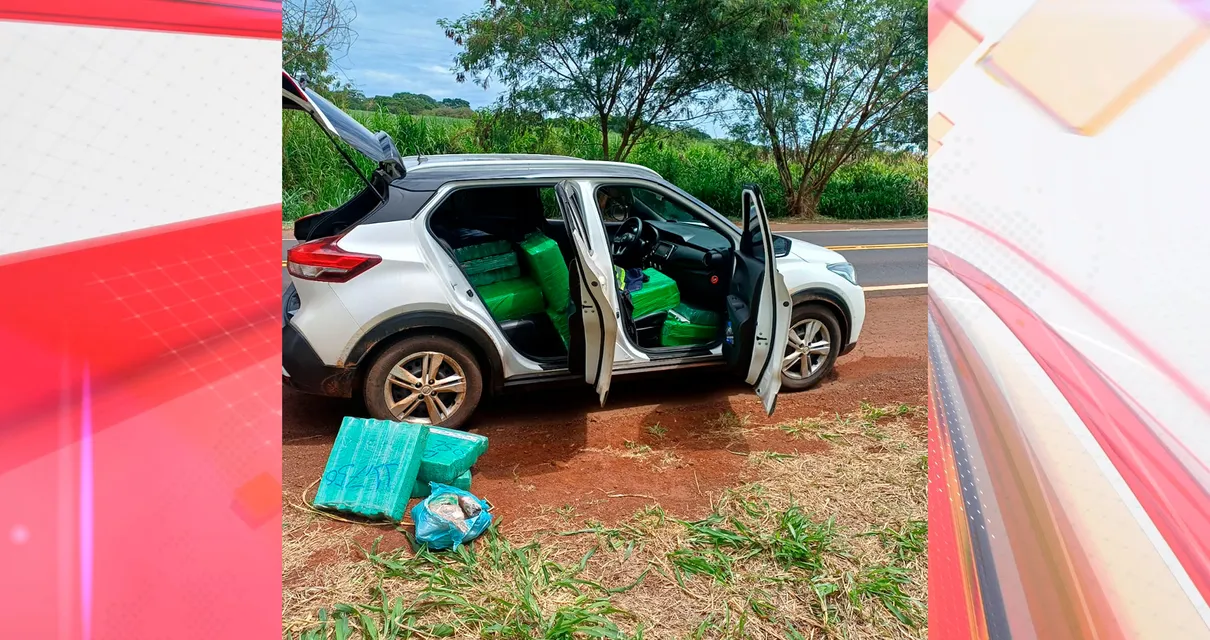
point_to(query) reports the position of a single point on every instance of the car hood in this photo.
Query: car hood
(813, 252)
(378, 147)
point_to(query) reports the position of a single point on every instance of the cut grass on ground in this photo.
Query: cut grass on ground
(828, 545)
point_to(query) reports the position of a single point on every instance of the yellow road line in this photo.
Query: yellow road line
(896, 287)
(875, 247)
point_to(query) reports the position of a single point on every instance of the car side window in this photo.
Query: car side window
(617, 202)
(550, 205)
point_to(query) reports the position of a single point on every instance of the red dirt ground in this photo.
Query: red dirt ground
(556, 448)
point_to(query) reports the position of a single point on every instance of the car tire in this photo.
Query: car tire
(411, 395)
(821, 322)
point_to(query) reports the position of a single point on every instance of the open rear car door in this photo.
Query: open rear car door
(758, 305)
(594, 325)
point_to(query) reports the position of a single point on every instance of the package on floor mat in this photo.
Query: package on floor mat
(423, 489)
(372, 468)
(448, 454)
(499, 275)
(679, 332)
(659, 293)
(450, 517)
(512, 299)
(547, 267)
(483, 250)
(561, 321)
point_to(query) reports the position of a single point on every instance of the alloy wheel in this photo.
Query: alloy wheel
(426, 387)
(806, 349)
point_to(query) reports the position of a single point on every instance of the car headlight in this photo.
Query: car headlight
(844, 270)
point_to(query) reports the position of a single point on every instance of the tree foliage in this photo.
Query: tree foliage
(314, 34)
(846, 77)
(645, 63)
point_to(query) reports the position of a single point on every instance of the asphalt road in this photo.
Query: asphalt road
(883, 264)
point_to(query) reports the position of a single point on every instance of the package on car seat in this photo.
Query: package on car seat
(547, 267)
(482, 250)
(481, 271)
(512, 299)
(685, 325)
(659, 293)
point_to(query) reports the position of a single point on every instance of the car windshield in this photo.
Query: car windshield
(664, 208)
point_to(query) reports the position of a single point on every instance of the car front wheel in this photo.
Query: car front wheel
(424, 379)
(811, 347)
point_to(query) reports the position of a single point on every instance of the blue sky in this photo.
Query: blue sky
(399, 47)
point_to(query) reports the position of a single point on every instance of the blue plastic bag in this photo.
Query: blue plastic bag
(447, 518)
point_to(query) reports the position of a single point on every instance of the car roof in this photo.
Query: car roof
(428, 173)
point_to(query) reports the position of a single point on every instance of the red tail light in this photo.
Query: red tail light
(323, 261)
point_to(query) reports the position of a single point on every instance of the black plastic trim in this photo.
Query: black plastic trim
(307, 372)
(442, 320)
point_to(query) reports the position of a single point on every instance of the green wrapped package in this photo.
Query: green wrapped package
(658, 294)
(547, 267)
(423, 489)
(560, 320)
(448, 454)
(373, 467)
(512, 299)
(483, 250)
(488, 277)
(693, 315)
(679, 333)
(490, 263)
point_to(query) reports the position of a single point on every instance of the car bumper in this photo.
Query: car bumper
(303, 370)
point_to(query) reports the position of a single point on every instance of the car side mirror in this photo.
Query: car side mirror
(781, 246)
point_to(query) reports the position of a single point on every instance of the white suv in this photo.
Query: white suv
(454, 275)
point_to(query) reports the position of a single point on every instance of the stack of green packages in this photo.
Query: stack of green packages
(547, 267)
(658, 294)
(685, 325)
(488, 262)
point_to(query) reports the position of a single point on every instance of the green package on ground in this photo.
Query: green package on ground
(490, 263)
(449, 454)
(659, 293)
(372, 468)
(560, 319)
(483, 250)
(499, 275)
(422, 489)
(678, 333)
(693, 315)
(547, 267)
(512, 299)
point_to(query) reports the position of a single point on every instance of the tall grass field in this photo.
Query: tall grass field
(316, 178)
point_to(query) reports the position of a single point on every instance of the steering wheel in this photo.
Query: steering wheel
(632, 243)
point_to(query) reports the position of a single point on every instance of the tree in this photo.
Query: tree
(847, 76)
(643, 62)
(315, 33)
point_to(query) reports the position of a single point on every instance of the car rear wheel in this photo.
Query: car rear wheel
(424, 379)
(811, 347)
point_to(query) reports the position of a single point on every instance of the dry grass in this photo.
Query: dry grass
(829, 545)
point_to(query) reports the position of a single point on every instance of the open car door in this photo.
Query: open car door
(594, 322)
(758, 305)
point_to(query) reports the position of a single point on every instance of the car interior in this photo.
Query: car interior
(672, 270)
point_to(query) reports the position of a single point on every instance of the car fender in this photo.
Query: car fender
(436, 321)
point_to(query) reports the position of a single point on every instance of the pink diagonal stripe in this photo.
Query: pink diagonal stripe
(1158, 361)
(1172, 498)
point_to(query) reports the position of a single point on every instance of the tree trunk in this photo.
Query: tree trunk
(604, 136)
